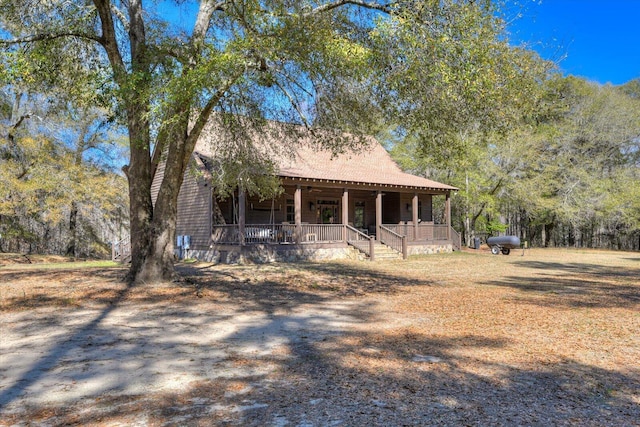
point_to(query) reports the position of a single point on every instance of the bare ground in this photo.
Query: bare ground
(548, 338)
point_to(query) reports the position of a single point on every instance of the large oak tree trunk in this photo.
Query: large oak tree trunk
(153, 228)
(158, 262)
(140, 207)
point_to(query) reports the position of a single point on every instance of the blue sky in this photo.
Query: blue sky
(595, 39)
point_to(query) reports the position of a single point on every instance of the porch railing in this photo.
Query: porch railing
(226, 234)
(394, 235)
(425, 232)
(276, 233)
(322, 233)
(361, 241)
(396, 241)
(269, 233)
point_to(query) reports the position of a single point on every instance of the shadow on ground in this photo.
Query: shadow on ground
(252, 351)
(574, 284)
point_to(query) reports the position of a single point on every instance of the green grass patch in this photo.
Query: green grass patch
(62, 265)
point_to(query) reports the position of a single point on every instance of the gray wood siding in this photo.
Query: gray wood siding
(157, 180)
(194, 211)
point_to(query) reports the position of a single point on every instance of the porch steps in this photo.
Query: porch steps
(384, 252)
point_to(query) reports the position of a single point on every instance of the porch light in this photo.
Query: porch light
(312, 206)
(409, 207)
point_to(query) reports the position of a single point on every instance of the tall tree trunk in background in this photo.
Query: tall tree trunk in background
(73, 225)
(72, 245)
(217, 218)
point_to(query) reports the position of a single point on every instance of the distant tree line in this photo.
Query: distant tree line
(59, 193)
(567, 175)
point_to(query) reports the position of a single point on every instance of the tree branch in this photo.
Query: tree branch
(204, 18)
(137, 36)
(108, 39)
(203, 117)
(295, 104)
(121, 17)
(386, 8)
(50, 36)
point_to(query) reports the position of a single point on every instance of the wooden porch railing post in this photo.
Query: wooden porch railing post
(405, 252)
(345, 212)
(372, 252)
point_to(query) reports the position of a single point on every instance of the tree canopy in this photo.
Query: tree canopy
(566, 175)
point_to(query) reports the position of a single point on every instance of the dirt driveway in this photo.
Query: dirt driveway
(549, 338)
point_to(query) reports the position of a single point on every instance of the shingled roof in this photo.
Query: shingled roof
(370, 165)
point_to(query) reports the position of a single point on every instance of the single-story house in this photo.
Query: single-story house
(355, 204)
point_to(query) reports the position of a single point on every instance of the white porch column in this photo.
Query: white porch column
(297, 206)
(414, 215)
(378, 214)
(241, 213)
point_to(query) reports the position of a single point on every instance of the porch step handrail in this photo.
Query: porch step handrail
(456, 240)
(121, 250)
(360, 241)
(394, 240)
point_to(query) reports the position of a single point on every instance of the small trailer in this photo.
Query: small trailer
(503, 244)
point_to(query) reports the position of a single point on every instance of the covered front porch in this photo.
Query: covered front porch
(314, 214)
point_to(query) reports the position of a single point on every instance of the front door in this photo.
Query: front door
(329, 214)
(329, 211)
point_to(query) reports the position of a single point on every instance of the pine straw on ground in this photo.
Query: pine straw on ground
(548, 338)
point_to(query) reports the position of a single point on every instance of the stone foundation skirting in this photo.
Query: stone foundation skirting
(436, 248)
(261, 254)
(264, 253)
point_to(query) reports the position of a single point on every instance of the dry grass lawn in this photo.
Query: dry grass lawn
(548, 338)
